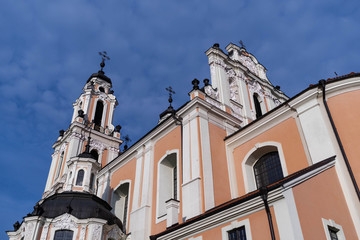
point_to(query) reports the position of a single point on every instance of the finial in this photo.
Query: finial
(336, 73)
(126, 140)
(242, 44)
(195, 84)
(206, 82)
(171, 92)
(104, 57)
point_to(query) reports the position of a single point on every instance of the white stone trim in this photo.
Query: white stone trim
(236, 224)
(129, 199)
(176, 151)
(331, 223)
(249, 161)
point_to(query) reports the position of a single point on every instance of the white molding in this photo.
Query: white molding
(249, 161)
(236, 224)
(331, 223)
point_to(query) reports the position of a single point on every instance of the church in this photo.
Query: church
(239, 161)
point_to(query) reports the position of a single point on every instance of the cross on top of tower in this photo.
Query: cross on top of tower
(171, 92)
(104, 57)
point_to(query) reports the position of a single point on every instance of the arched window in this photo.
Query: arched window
(167, 182)
(95, 154)
(61, 159)
(92, 179)
(101, 89)
(63, 235)
(98, 114)
(257, 105)
(80, 177)
(268, 169)
(120, 202)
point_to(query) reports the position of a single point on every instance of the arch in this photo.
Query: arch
(92, 181)
(80, 177)
(63, 234)
(257, 105)
(61, 159)
(120, 201)
(167, 181)
(98, 114)
(95, 154)
(267, 169)
(254, 155)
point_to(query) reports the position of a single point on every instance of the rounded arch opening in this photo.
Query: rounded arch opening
(98, 114)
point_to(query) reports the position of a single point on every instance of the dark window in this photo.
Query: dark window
(80, 178)
(101, 89)
(237, 234)
(98, 114)
(333, 233)
(95, 154)
(257, 106)
(63, 235)
(175, 182)
(92, 179)
(268, 169)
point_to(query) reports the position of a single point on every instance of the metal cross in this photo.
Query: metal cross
(171, 92)
(242, 44)
(104, 57)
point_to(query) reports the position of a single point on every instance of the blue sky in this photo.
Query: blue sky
(48, 49)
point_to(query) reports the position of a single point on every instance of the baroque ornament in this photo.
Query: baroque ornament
(65, 222)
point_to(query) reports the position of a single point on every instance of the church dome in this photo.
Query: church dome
(80, 205)
(100, 74)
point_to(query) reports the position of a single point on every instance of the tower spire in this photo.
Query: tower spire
(104, 57)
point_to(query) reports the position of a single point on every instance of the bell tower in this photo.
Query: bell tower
(90, 142)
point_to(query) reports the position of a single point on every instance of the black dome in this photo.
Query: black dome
(80, 205)
(100, 74)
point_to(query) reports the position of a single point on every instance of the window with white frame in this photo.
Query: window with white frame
(167, 182)
(237, 230)
(80, 177)
(267, 169)
(263, 165)
(120, 202)
(333, 231)
(63, 235)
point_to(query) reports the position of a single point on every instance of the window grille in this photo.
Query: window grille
(268, 169)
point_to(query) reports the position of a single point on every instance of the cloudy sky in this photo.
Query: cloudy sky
(48, 49)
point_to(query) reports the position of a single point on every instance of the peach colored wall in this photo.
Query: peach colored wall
(345, 111)
(259, 227)
(322, 197)
(170, 141)
(104, 158)
(286, 133)
(219, 164)
(126, 172)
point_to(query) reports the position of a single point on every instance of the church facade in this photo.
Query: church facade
(240, 160)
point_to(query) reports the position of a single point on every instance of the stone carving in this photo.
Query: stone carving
(29, 230)
(65, 222)
(211, 92)
(255, 87)
(62, 148)
(234, 90)
(112, 149)
(220, 63)
(249, 63)
(97, 232)
(213, 102)
(82, 232)
(97, 145)
(115, 233)
(230, 72)
(77, 135)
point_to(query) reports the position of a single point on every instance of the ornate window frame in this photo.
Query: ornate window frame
(128, 203)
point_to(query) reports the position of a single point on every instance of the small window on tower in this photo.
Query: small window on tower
(95, 154)
(101, 89)
(80, 178)
(257, 105)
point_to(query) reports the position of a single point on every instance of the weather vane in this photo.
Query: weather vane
(104, 57)
(242, 44)
(171, 92)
